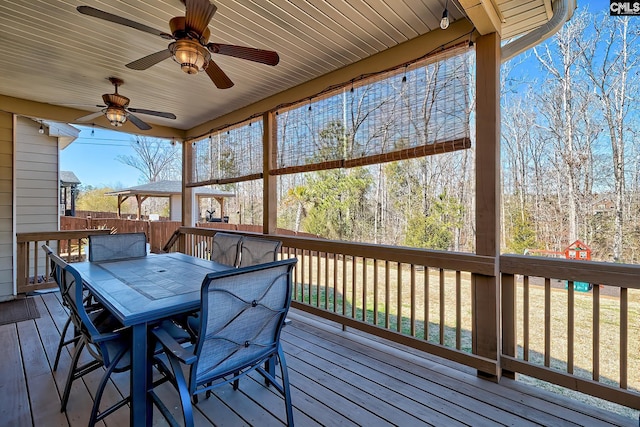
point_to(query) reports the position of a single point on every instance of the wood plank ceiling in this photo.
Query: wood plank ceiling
(53, 54)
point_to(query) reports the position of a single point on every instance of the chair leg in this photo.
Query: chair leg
(62, 343)
(95, 417)
(270, 367)
(285, 387)
(236, 382)
(183, 391)
(70, 377)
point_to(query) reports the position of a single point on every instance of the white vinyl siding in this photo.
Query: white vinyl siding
(6, 203)
(37, 184)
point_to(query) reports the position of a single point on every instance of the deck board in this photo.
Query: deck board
(338, 378)
(14, 405)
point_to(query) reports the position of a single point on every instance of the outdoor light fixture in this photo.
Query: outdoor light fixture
(444, 22)
(191, 55)
(41, 130)
(116, 115)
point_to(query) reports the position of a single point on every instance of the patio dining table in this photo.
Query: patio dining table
(140, 292)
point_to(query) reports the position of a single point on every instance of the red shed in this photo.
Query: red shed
(578, 250)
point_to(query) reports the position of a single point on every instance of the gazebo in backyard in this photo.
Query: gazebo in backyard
(173, 191)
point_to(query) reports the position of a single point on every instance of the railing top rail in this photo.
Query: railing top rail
(595, 272)
(58, 235)
(457, 261)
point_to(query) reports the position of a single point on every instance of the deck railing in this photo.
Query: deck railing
(573, 323)
(415, 297)
(423, 299)
(32, 270)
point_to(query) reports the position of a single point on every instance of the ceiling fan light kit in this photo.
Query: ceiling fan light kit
(191, 55)
(116, 116)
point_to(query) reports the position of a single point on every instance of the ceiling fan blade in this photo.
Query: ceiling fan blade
(217, 76)
(89, 117)
(149, 60)
(139, 123)
(152, 113)
(249, 53)
(97, 13)
(198, 15)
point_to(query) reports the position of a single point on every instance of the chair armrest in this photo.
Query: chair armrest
(172, 346)
(108, 336)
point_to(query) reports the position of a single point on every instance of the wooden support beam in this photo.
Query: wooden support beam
(187, 192)
(486, 304)
(270, 199)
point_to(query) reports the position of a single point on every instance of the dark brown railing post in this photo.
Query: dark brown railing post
(485, 291)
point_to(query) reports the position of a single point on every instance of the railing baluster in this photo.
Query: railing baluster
(335, 282)
(364, 289)
(311, 257)
(325, 287)
(426, 303)
(387, 294)
(458, 309)
(624, 337)
(596, 333)
(442, 303)
(399, 299)
(547, 322)
(525, 317)
(413, 300)
(375, 291)
(570, 327)
(302, 270)
(344, 285)
(298, 278)
(354, 296)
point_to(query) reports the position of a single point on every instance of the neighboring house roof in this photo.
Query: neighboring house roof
(68, 178)
(167, 188)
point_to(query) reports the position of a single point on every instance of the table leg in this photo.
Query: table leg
(141, 403)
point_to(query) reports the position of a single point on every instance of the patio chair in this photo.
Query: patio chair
(108, 247)
(99, 332)
(258, 251)
(242, 314)
(225, 248)
(91, 307)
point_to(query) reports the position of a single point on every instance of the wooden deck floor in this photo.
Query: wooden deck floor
(337, 378)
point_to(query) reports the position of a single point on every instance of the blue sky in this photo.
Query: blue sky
(93, 157)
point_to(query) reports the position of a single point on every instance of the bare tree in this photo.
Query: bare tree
(611, 63)
(156, 159)
(563, 106)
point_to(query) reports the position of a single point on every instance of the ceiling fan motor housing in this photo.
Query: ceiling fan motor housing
(115, 99)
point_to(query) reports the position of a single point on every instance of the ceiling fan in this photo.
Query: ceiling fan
(190, 46)
(117, 109)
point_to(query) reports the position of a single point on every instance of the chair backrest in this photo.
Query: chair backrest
(72, 291)
(242, 314)
(225, 248)
(56, 270)
(107, 247)
(258, 251)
